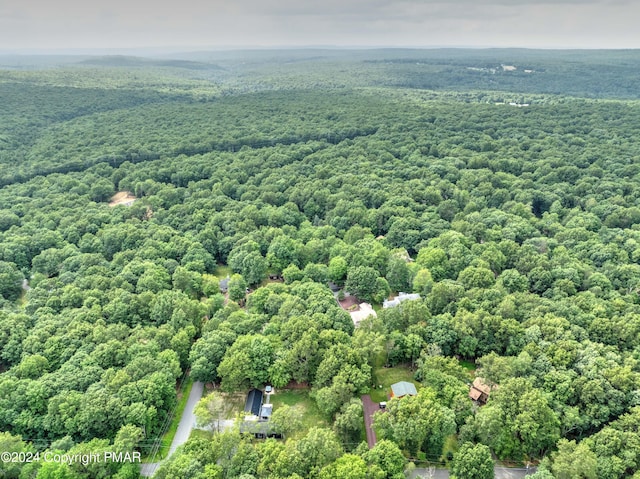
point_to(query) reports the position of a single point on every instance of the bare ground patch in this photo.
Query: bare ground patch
(125, 198)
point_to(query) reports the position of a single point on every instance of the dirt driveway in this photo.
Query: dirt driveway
(369, 407)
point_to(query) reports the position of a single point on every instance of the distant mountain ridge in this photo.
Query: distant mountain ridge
(131, 61)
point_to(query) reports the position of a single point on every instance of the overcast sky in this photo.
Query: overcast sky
(38, 24)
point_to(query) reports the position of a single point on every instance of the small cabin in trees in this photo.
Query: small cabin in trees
(479, 391)
(224, 285)
(402, 389)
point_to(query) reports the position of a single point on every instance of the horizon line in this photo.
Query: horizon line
(230, 48)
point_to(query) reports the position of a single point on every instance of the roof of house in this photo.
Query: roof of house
(363, 312)
(224, 284)
(399, 299)
(262, 429)
(266, 410)
(479, 384)
(478, 389)
(403, 388)
(254, 401)
(475, 393)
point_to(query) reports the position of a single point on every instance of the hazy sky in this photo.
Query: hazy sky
(37, 24)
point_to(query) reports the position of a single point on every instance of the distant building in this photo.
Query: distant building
(480, 391)
(224, 285)
(392, 303)
(403, 388)
(254, 403)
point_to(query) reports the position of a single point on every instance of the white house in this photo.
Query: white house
(392, 303)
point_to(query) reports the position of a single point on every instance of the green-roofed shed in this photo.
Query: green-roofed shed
(403, 388)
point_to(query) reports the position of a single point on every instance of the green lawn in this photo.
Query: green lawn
(470, 366)
(300, 397)
(200, 434)
(235, 400)
(222, 271)
(388, 376)
(450, 446)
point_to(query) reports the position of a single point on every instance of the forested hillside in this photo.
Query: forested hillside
(512, 208)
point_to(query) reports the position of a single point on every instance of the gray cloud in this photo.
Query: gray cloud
(133, 23)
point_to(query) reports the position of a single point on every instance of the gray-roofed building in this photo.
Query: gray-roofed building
(260, 430)
(265, 412)
(254, 402)
(403, 388)
(392, 303)
(224, 284)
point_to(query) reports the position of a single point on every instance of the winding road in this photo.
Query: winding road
(187, 423)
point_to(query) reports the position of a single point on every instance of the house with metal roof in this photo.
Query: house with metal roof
(403, 388)
(392, 303)
(254, 402)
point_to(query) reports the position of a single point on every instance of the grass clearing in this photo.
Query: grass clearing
(469, 366)
(200, 434)
(388, 376)
(235, 401)
(222, 271)
(311, 415)
(449, 448)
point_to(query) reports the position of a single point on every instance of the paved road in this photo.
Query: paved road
(500, 473)
(148, 469)
(188, 420)
(187, 423)
(512, 472)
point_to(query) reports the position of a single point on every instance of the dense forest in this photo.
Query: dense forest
(499, 185)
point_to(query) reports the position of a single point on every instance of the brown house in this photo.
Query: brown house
(480, 391)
